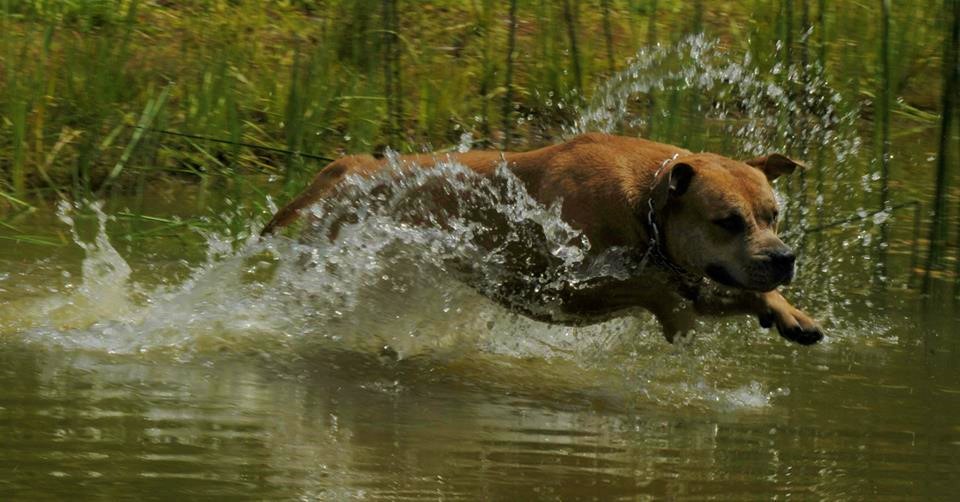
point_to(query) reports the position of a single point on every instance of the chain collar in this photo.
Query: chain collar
(655, 252)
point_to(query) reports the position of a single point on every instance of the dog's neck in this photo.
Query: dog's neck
(656, 252)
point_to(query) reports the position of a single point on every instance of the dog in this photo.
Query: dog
(697, 231)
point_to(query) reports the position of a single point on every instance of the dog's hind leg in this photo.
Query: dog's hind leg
(322, 182)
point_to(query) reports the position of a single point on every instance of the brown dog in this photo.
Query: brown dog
(699, 230)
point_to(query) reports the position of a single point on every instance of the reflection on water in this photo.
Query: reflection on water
(361, 369)
(857, 420)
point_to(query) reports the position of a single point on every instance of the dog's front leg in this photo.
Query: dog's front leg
(771, 308)
(677, 317)
(792, 323)
(606, 298)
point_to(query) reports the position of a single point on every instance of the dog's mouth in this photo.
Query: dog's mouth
(723, 276)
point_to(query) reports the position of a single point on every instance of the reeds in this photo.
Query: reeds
(310, 84)
(77, 78)
(570, 19)
(392, 75)
(508, 84)
(883, 124)
(607, 34)
(949, 91)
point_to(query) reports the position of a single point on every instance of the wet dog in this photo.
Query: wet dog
(697, 231)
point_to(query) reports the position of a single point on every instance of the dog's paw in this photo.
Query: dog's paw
(796, 326)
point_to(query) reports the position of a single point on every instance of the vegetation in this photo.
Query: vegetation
(97, 97)
(323, 77)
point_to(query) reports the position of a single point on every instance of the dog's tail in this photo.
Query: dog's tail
(326, 178)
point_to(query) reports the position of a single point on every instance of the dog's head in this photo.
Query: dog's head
(719, 219)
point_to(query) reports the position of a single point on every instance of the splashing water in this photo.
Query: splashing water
(791, 110)
(788, 110)
(800, 112)
(396, 274)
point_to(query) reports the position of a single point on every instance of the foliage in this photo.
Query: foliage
(77, 77)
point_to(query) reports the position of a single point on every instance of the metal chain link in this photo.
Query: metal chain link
(653, 245)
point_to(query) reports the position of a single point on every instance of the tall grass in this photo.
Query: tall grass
(949, 96)
(83, 85)
(608, 35)
(508, 96)
(883, 126)
(570, 20)
(80, 81)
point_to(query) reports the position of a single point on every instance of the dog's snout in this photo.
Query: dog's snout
(782, 258)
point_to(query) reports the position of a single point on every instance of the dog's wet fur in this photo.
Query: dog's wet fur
(717, 218)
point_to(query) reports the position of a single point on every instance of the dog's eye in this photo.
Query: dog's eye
(733, 223)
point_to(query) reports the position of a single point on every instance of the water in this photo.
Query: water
(366, 369)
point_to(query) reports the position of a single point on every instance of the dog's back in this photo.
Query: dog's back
(588, 170)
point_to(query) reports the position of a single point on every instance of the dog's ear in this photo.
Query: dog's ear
(673, 182)
(775, 165)
(681, 175)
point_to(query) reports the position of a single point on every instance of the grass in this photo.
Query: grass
(322, 77)
(83, 82)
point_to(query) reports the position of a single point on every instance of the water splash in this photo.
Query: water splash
(383, 282)
(789, 110)
(798, 111)
(394, 279)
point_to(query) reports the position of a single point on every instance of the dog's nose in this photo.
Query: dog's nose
(782, 258)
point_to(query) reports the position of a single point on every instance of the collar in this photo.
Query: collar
(656, 252)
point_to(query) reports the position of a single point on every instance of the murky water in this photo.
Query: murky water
(365, 369)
